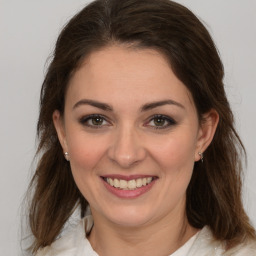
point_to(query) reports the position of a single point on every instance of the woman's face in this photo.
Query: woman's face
(132, 133)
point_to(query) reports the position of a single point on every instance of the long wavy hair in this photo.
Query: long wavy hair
(214, 193)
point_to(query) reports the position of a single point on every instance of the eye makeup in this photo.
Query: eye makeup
(159, 121)
(94, 121)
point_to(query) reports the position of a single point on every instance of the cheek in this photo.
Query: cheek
(85, 151)
(176, 151)
(85, 155)
(176, 159)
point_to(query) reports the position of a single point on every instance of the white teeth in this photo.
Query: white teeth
(149, 179)
(132, 184)
(139, 183)
(123, 184)
(116, 183)
(129, 185)
(110, 181)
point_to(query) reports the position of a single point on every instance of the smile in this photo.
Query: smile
(129, 187)
(129, 184)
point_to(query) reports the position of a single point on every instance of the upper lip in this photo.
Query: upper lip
(127, 177)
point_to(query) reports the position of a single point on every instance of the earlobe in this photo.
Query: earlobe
(60, 129)
(206, 132)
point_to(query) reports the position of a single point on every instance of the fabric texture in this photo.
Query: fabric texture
(74, 243)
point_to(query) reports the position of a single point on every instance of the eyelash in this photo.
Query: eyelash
(170, 121)
(85, 121)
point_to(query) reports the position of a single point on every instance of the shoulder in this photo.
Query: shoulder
(205, 244)
(245, 249)
(73, 242)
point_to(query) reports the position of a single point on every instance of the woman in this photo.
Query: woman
(135, 127)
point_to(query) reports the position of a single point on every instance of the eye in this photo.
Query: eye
(94, 121)
(160, 122)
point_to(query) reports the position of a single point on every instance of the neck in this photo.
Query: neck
(161, 237)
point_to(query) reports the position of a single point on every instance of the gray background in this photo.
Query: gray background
(28, 30)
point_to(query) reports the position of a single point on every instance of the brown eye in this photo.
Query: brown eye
(94, 121)
(97, 120)
(159, 121)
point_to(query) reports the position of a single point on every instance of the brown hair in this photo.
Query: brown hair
(214, 193)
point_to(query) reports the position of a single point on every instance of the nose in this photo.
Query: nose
(126, 148)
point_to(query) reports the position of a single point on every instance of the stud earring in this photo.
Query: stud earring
(201, 156)
(66, 156)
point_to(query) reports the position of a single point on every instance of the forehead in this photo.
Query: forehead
(130, 74)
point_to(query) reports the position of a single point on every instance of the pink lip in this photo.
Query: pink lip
(128, 194)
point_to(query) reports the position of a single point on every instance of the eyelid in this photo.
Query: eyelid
(169, 119)
(84, 119)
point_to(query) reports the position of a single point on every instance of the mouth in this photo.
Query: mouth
(129, 184)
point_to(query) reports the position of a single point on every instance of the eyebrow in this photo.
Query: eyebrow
(156, 104)
(146, 107)
(93, 103)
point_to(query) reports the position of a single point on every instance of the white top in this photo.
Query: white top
(75, 243)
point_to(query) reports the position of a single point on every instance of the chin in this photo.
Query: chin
(129, 216)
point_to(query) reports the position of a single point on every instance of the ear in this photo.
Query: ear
(206, 132)
(60, 129)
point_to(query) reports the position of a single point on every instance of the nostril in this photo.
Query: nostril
(127, 148)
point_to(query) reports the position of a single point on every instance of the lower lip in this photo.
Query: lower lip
(129, 194)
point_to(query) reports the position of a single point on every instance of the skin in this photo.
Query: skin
(130, 141)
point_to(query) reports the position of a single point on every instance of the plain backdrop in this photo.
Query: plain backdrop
(28, 30)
